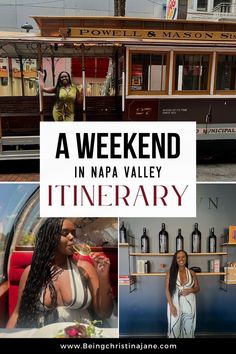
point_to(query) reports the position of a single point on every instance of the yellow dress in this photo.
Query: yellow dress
(64, 109)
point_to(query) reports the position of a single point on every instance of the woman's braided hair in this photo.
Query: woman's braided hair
(174, 268)
(41, 275)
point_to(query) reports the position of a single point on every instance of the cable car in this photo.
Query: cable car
(130, 69)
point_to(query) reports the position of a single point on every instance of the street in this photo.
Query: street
(28, 171)
(19, 171)
(217, 172)
(220, 167)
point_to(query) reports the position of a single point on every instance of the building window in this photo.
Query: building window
(217, 2)
(226, 73)
(222, 6)
(148, 73)
(202, 5)
(192, 72)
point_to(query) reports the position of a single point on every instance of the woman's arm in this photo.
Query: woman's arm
(173, 309)
(195, 289)
(45, 89)
(13, 319)
(99, 284)
(48, 89)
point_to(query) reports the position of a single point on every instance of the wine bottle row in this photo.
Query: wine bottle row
(164, 240)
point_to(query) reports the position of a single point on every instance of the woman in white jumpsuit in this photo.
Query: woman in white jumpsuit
(181, 287)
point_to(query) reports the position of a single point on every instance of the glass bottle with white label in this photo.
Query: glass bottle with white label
(212, 241)
(179, 241)
(144, 242)
(163, 240)
(196, 239)
(123, 233)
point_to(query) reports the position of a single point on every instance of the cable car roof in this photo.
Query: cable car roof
(64, 36)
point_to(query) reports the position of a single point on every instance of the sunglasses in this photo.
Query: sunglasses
(66, 232)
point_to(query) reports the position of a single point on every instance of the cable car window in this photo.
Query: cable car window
(12, 199)
(18, 77)
(28, 225)
(192, 72)
(226, 73)
(148, 73)
(99, 72)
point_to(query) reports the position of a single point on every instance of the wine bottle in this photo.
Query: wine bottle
(144, 242)
(212, 241)
(179, 241)
(147, 267)
(196, 240)
(163, 240)
(123, 233)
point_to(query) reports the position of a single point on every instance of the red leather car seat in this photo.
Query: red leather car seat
(18, 262)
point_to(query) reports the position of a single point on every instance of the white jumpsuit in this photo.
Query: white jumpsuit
(183, 325)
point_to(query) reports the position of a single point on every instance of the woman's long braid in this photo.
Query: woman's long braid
(174, 268)
(41, 274)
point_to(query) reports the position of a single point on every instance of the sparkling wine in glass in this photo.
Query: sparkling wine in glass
(83, 249)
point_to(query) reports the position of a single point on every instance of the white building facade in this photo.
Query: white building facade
(214, 10)
(14, 13)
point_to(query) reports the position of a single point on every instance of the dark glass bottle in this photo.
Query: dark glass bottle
(123, 233)
(147, 267)
(163, 240)
(179, 241)
(212, 241)
(144, 242)
(196, 239)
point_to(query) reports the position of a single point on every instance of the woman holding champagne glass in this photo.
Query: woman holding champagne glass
(58, 288)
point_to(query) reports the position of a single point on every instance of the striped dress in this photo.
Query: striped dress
(77, 310)
(184, 324)
(81, 297)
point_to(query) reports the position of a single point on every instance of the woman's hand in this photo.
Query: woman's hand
(173, 310)
(41, 75)
(186, 292)
(101, 263)
(41, 79)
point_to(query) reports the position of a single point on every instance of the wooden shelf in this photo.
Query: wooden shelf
(228, 244)
(171, 254)
(149, 274)
(228, 282)
(163, 274)
(150, 254)
(211, 273)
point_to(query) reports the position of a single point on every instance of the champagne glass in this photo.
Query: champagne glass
(83, 249)
(80, 246)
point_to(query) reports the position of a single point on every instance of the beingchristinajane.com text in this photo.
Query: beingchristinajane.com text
(118, 346)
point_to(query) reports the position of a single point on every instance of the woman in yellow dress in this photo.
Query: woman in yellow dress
(66, 95)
